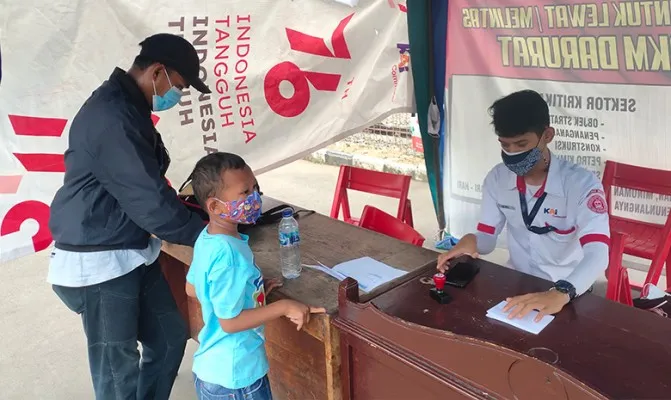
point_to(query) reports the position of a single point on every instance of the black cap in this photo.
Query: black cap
(175, 53)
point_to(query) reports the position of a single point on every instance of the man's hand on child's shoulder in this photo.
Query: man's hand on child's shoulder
(299, 313)
(270, 284)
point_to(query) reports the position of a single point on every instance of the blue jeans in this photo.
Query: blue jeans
(117, 314)
(259, 390)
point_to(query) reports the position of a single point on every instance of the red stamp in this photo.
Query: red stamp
(597, 203)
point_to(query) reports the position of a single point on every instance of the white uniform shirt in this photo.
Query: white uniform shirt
(575, 205)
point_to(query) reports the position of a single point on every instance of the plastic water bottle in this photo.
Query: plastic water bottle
(290, 253)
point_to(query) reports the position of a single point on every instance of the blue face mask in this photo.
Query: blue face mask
(523, 162)
(169, 99)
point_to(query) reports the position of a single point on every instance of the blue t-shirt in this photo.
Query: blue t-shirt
(227, 281)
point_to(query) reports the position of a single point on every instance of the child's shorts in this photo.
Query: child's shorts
(259, 390)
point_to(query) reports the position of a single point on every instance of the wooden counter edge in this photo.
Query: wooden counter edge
(367, 323)
(178, 252)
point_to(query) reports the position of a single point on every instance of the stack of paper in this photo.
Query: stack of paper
(527, 323)
(368, 272)
(328, 271)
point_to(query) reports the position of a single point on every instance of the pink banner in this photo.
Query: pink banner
(606, 42)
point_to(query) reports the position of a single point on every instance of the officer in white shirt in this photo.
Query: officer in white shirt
(555, 210)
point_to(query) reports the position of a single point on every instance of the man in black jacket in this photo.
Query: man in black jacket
(114, 198)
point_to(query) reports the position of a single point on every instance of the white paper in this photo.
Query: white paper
(527, 323)
(327, 270)
(368, 272)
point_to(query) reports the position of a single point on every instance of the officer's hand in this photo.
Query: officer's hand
(466, 246)
(547, 303)
(444, 258)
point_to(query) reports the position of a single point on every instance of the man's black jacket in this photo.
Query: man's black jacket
(115, 193)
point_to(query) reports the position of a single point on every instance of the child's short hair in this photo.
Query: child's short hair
(206, 178)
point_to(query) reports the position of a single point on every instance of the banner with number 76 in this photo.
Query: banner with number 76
(287, 78)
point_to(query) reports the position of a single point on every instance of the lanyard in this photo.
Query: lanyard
(529, 218)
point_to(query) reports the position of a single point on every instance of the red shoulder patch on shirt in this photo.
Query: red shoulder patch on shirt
(597, 191)
(597, 203)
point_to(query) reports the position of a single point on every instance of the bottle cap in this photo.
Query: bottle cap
(287, 212)
(439, 280)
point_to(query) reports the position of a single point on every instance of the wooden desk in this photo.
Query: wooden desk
(402, 345)
(303, 365)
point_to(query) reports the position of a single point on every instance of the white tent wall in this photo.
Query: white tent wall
(608, 100)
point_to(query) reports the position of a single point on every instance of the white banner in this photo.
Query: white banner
(335, 68)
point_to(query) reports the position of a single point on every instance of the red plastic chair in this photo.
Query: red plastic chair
(640, 239)
(374, 182)
(619, 288)
(379, 221)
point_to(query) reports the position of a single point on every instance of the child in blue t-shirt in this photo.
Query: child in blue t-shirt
(231, 360)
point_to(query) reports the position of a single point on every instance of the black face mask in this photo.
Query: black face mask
(522, 163)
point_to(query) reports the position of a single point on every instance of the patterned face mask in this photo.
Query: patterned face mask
(245, 211)
(522, 163)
